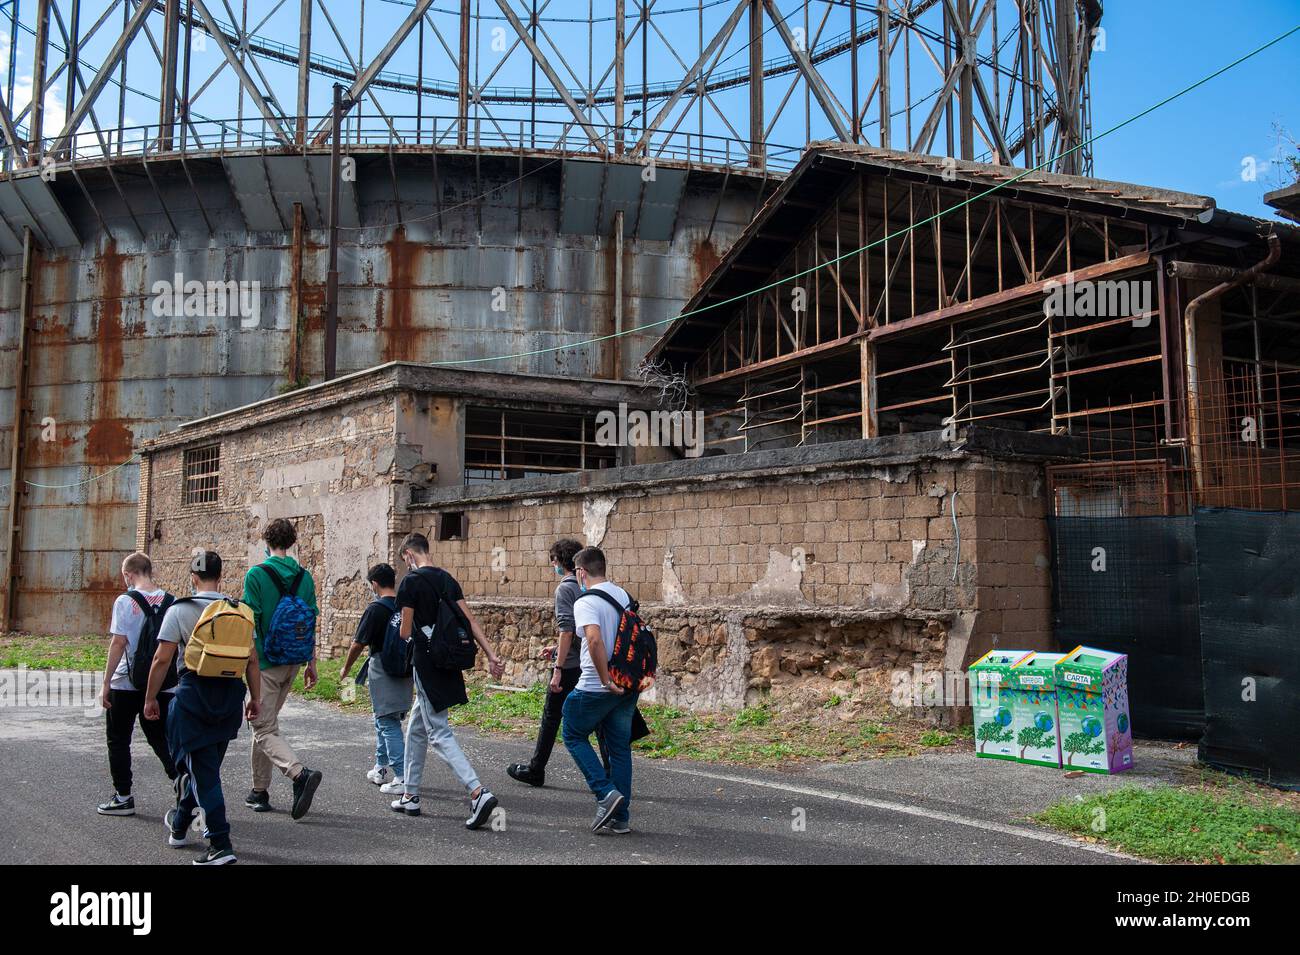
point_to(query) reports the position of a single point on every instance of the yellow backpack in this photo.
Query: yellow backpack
(222, 640)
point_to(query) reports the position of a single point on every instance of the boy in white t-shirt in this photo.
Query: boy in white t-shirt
(596, 701)
(122, 702)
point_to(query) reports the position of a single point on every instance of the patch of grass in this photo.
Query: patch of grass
(330, 689)
(1217, 823)
(53, 652)
(752, 716)
(832, 701)
(936, 738)
(501, 710)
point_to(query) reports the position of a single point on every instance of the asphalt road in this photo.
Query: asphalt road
(937, 810)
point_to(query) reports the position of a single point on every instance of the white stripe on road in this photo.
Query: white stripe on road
(935, 814)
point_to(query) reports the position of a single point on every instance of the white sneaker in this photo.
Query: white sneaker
(407, 804)
(393, 787)
(379, 775)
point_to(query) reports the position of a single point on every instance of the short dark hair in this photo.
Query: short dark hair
(592, 560)
(415, 542)
(280, 534)
(383, 575)
(206, 566)
(562, 552)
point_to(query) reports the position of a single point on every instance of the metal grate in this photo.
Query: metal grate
(203, 475)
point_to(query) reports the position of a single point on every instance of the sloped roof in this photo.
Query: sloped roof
(820, 175)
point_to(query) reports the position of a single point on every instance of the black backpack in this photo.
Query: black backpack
(635, 656)
(395, 653)
(450, 646)
(138, 663)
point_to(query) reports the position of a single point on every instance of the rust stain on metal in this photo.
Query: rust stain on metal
(401, 337)
(704, 259)
(108, 440)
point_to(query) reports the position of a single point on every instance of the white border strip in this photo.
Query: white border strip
(935, 814)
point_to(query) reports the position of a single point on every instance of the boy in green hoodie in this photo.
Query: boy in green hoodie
(270, 749)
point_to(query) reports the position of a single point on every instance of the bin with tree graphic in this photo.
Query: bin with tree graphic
(1092, 702)
(990, 704)
(1034, 720)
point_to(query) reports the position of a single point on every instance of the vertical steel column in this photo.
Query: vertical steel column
(757, 135)
(620, 42)
(17, 486)
(332, 276)
(616, 342)
(882, 35)
(304, 69)
(295, 296)
(856, 124)
(462, 96)
(167, 91)
(966, 50)
(184, 109)
(40, 57)
(74, 41)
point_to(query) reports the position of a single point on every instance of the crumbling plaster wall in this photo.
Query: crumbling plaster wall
(331, 472)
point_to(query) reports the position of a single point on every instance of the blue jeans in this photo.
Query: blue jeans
(390, 748)
(584, 713)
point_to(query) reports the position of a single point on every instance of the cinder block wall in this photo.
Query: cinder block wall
(782, 582)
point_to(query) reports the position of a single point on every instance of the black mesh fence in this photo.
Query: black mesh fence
(1129, 584)
(1250, 641)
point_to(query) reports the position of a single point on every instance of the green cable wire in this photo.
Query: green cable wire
(901, 232)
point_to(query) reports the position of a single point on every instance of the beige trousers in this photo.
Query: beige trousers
(269, 747)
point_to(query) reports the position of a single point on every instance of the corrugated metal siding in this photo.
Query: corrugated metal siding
(110, 373)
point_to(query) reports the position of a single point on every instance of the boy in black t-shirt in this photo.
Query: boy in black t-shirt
(437, 690)
(390, 694)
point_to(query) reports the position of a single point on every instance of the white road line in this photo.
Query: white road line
(935, 814)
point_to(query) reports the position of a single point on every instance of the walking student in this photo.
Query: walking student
(390, 693)
(136, 613)
(429, 597)
(596, 701)
(206, 710)
(283, 597)
(565, 671)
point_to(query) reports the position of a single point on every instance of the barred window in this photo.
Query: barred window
(203, 474)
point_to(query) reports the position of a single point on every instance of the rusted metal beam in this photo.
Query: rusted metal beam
(17, 454)
(1010, 296)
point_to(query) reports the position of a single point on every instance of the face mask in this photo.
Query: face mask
(559, 571)
(266, 551)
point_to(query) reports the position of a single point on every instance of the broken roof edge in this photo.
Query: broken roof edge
(885, 451)
(1158, 203)
(399, 376)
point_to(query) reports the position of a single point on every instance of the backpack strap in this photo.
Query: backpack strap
(609, 598)
(149, 609)
(276, 579)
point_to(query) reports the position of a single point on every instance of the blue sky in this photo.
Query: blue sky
(1152, 48)
(1197, 143)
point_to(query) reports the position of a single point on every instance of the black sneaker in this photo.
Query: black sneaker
(618, 828)
(258, 800)
(526, 774)
(117, 806)
(480, 809)
(217, 857)
(304, 788)
(605, 809)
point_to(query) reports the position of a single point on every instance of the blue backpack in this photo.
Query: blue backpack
(291, 634)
